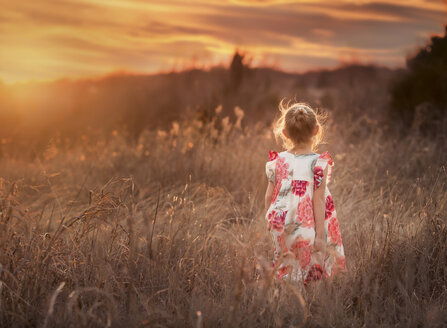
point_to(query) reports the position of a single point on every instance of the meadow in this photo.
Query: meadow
(166, 228)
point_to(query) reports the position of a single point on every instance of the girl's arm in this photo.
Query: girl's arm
(319, 204)
(269, 194)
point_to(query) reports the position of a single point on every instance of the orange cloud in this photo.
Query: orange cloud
(52, 39)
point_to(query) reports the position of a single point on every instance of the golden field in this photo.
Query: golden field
(165, 227)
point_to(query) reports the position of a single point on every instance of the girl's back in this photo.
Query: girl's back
(300, 213)
(293, 177)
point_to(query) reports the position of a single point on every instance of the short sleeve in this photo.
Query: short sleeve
(324, 160)
(270, 166)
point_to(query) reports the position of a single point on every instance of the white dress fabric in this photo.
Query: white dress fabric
(291, 221)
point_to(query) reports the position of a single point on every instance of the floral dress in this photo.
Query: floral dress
(291, 221)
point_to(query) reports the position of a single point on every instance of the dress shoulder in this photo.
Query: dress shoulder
(270, 166)
(319, 165)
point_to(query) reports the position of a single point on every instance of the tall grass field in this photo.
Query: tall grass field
(166, 227)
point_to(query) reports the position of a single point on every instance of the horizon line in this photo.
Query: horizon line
(125, 72)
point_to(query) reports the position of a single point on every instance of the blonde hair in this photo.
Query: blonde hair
(299, 121)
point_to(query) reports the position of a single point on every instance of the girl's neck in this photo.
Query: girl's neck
(301, 149)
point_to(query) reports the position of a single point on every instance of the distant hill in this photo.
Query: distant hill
(69, 108)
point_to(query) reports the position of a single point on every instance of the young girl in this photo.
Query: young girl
(300, 210)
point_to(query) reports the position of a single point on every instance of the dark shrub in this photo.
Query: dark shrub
(424, 82)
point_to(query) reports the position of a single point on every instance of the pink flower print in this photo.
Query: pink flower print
(302, 250)
(282, 272)
(329, 207)
(318, 176)
(299, 187)
(281, 172)
(273, 155)
(333, 231)
(281, 168)
(326, 155)
(277, 219)
(315, 273)
(305, 213)
(270, 219)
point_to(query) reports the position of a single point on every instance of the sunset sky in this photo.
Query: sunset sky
(75, 38)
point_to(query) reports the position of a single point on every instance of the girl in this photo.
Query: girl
(300, 210)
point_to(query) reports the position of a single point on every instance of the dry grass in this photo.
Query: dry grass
(170, 232)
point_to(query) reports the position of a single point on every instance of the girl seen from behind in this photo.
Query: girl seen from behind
(300, 210)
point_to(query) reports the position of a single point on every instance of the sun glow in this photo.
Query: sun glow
(49, 40)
